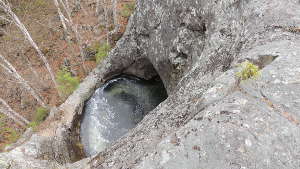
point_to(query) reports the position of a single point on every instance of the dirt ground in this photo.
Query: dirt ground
(41, 19)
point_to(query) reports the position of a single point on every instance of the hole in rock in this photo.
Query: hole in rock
(115, 108)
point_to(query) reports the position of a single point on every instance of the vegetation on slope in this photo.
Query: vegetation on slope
(58, 45)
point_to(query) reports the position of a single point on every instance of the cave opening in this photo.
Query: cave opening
(119, 105)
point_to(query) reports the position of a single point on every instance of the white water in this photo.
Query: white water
(116, 108)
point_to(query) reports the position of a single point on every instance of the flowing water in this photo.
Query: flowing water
(117, 107)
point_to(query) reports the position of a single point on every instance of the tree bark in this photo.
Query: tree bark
(106, 20)
(116, 16)
(66, 7)
(7, 9)
(61, 17)
(100, 13)
(10, 69)
(9, 112)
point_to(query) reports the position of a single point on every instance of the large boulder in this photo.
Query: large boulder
(211, 119)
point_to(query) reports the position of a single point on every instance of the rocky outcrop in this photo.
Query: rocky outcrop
(211, 119)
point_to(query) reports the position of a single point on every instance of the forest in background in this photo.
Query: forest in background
(46, 48)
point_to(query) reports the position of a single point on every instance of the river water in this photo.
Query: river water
(117, 107)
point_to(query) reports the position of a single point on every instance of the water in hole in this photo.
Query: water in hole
(117, 107)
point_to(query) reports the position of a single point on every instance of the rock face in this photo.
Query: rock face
(211, 119)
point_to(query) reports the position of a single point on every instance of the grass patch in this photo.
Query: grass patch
(128, 9)
(67, 83)
(7, 135)
(102, 52)
(249, 71)
(39, 116)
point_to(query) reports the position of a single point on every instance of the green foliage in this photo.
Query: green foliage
(67, 83)
(102, 52)
(128, 9)
(249, 70)
(33, 125)
(7, 135)
(39, 116)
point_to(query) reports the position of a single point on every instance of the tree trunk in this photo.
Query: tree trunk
(100, 13)
(10, 69)
(9, 112)
(7, 9)
(61, 17)
(36, 75)
(73, 26)
(115, 14)
(106, 21)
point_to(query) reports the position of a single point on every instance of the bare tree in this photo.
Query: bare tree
(103, 11)
(36, 75)
(9, 112)
(100, 13)
(5, 6)
(61, 17)
(12, 71)
(98, 7)
(106, 20)
(115, 18)
(115, 13)
(64, 5)
(26, 58)
(77, 4)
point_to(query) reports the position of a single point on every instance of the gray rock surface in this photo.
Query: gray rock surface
(210, 119)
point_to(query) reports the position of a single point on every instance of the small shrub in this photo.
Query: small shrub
(128, 9)
(7, 135)
(67, 83)
(39, 116)
(10, 134)
(249, 70)
(33, 125)
(102, 52)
